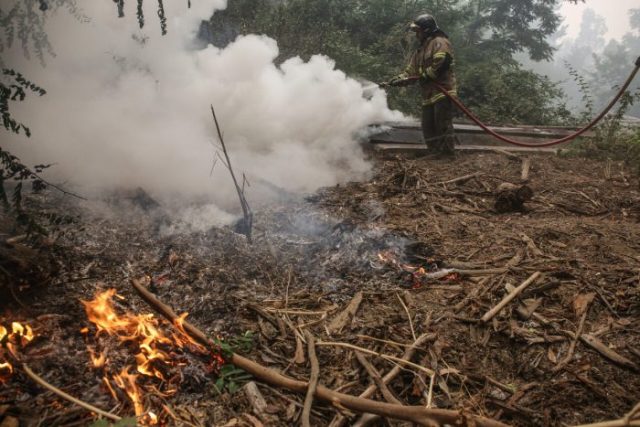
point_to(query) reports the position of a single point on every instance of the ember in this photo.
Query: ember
(157, 352)
(419, 275)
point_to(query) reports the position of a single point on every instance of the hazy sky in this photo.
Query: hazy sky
(616, 13)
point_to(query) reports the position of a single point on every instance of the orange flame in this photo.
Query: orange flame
(98, 361)
(154, 350)
(152, 418)
(138, 328)
(127, 382)
(20, 336)
(6, 370)
(24, 332)
(184, 337)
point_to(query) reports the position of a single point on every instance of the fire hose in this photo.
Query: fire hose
(567, 138)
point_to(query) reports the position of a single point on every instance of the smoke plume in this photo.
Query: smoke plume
(130, 108)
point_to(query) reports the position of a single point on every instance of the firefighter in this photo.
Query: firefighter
(432, 62)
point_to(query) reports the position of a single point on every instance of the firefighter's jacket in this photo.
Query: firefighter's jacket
(433, 62)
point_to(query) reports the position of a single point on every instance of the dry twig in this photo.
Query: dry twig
(572, 346)
(66, 396)
(377, 379)
(510, 297)
(406, 310)
(375, 353)
(416, 414)
(313, 380)
(246, 210)
(629, 420)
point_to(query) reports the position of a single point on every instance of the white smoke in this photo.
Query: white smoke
(131, 108)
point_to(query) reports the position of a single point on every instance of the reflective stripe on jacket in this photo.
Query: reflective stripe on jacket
(433, 62)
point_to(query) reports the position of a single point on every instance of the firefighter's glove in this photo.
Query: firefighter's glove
(396, 81)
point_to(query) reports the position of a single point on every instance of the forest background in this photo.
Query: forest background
(505, 50)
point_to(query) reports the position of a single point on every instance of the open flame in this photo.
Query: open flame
(98, 360)
(419, 275)
(128, 383)
(156, 352)
(13, 340)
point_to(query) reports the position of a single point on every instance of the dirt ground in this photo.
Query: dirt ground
(565, 351)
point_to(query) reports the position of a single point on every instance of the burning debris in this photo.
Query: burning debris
(158, 359)
(12, 340)
(518, 354)
(416, 275)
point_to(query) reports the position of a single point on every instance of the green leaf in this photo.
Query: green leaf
(126, 422)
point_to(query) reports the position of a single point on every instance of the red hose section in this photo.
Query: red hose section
(574, 135)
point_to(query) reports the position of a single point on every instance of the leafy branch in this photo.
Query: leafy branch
(140, 13)
(14, 90)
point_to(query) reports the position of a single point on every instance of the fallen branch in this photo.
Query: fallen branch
(313, 380)
(462, 179)
(510, 297)
(486, 272)
(340, 420)
(381, 355)
(66, 396)
(601, 348)
(416, 414)
(377, 379)
(572, 347)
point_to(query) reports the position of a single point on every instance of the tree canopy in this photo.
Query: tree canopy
(368, 39)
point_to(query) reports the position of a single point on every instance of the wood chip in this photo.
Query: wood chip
(341, 320)
(581, 303)
(258, 404)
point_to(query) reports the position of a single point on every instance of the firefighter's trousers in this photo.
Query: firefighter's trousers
(437, 126)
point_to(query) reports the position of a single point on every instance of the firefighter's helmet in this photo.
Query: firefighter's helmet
(426, 23)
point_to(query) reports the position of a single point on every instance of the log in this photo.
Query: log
(511, 197)
(415, 414)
